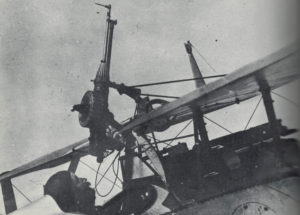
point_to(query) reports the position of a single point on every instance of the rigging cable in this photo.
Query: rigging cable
(157, 140)
(253, 113)
(23, 194)
(218, 124)
(177, 138)
(168, 144)
(176, 81)
(289, 100)
(204, 59)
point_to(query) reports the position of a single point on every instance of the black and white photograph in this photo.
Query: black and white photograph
(183, 107)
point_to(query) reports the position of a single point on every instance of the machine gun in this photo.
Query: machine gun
(93, 109)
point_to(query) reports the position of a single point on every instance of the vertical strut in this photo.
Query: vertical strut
(201, 147)
(200, 126)
(8, 196)
(268, 102)
(197, 144)
(74, 164)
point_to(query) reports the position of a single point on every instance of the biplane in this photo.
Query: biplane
(233, 174)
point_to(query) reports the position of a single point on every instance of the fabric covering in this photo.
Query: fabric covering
(45, 205)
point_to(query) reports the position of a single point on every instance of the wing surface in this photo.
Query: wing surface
(277, 69)
(52, 159)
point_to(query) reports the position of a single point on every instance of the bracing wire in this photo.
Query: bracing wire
(218, 125)
(177, 138)
(23, 194)
(287, 99)
(157, 141)
(253, 113)
(176, 81)
(204, 59)
(168, 144)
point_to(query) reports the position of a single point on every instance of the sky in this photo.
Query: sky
(50, 50)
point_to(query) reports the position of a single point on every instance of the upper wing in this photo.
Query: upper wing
(55, 158)
(277, 69)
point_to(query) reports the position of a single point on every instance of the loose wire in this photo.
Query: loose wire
(105, 170)
(98, 173)
(117, 173)
(112, 187)
(98, 182)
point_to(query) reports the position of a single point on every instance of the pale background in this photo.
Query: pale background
(50, 50)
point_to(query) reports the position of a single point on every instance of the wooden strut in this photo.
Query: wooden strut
(265, 90)
(8, 196)
(201, 146)
(74, 164)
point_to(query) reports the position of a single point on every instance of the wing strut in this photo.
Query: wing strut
(74, 163)
(201, 147)
(8, 196)
(195, 69)
(199, 124)
(268, 102)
